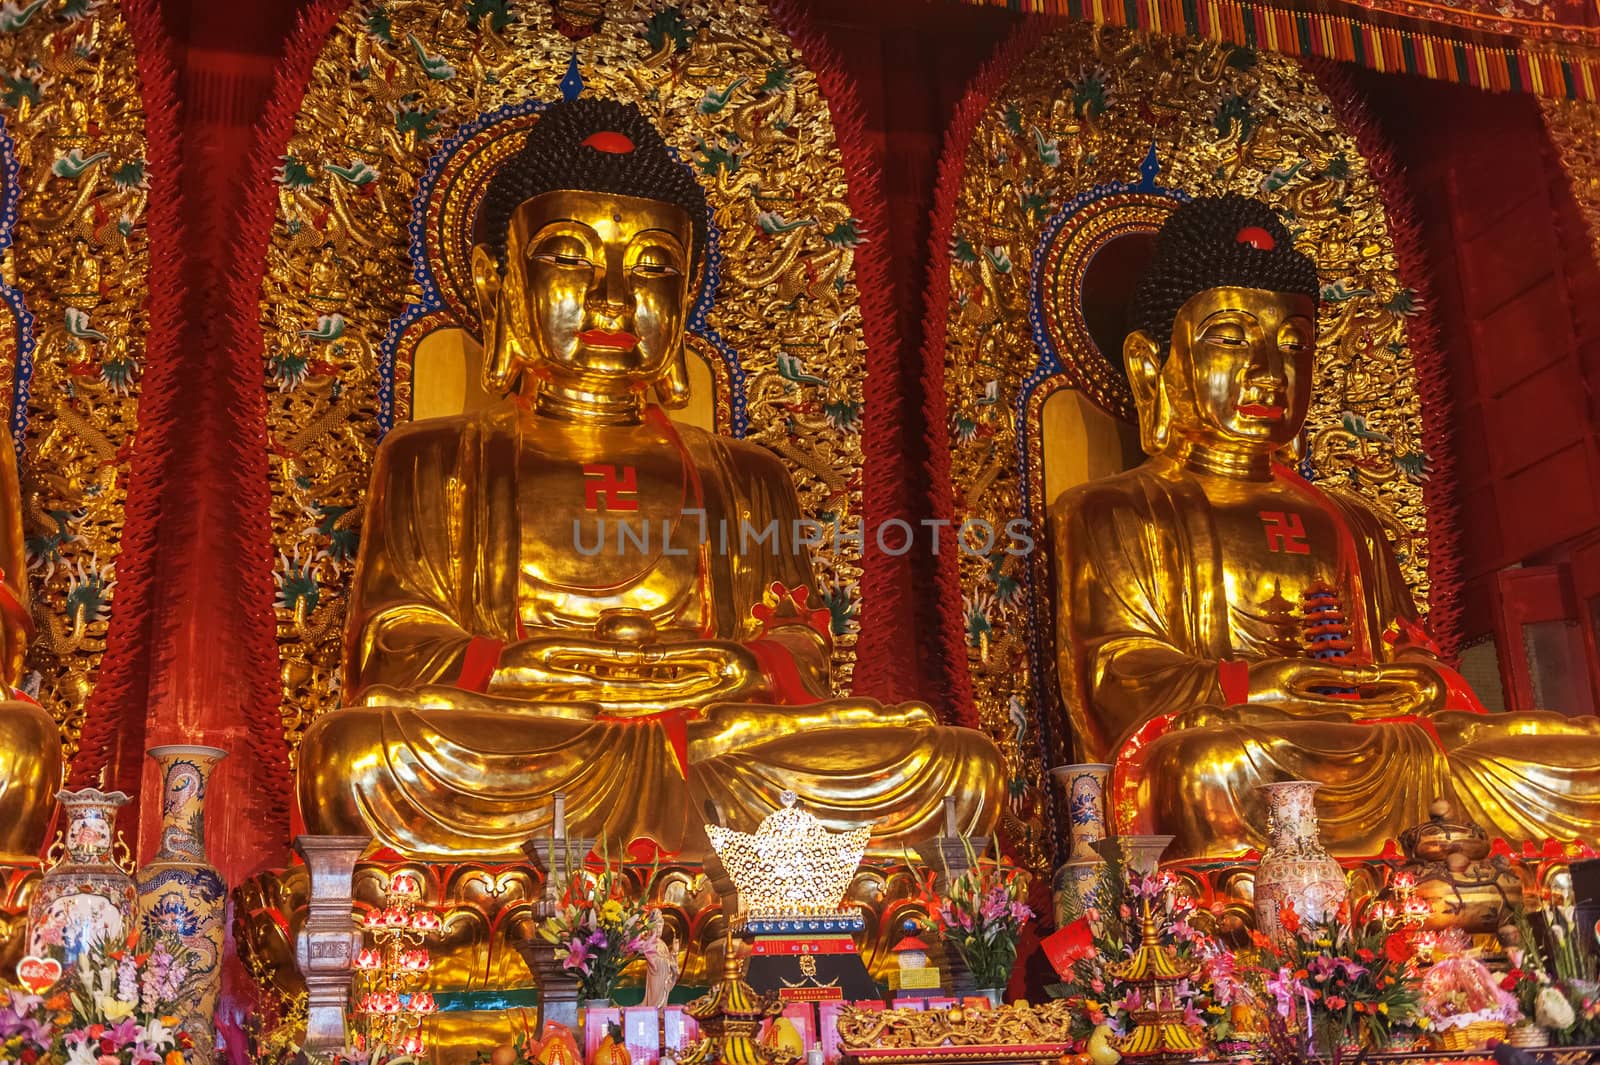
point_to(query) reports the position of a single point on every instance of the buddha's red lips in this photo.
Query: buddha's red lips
(601, 338)
(1261, 410)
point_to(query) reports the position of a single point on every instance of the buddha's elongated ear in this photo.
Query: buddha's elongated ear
(504, 324)
(672, 387)
(1291, 453)
(1142, 358)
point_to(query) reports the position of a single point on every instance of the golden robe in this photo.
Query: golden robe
(30, 739)
(436, 768)
(1144, 623)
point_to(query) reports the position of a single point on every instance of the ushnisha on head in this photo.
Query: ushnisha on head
(1223, 338)
(588, 240)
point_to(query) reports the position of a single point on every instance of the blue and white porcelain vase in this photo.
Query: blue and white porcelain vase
(1086, 785)
(1078, 878)
(180, 891)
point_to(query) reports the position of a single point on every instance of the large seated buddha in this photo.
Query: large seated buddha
(568, 592)
(1222, 623)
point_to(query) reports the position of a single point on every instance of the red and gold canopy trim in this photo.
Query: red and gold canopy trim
(1546, 47)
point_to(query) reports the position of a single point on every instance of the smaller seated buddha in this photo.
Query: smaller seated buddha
(1222, 623)
(507, 641)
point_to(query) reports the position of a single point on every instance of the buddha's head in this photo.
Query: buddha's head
(1223, 337)
(588, 240)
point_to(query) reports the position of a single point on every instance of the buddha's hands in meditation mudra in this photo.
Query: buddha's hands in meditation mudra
(497, 658)
(1223, 624)
(626, 664)
(1302, 686)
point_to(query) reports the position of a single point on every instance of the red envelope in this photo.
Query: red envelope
(1067, 945)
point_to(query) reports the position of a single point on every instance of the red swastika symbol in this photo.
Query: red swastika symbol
(605, 489)
(1285, 532)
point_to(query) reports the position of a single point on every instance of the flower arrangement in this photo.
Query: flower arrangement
(601, 929)
(981, 914)
(1348, 980)
(117, 1006)
(1558, 992)
(1206, 997)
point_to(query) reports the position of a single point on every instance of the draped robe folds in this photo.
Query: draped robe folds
(438, 771)
(1142, 625)
(30, 739)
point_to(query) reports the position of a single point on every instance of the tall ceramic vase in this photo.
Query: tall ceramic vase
(85, 898)
(1295, 868)
(1085, 786)
(181, 893)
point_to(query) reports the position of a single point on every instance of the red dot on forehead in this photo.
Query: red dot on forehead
(1256, 237)
(610, 142)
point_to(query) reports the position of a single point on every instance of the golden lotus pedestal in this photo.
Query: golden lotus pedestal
(485, 991)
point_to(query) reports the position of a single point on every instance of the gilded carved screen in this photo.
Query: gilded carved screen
(1574, 128)
(1092, 138)
(410, 103)
(74, 292)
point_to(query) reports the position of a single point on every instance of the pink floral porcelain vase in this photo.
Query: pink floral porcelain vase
(1296, 869)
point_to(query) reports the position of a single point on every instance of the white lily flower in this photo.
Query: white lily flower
(156, 1034)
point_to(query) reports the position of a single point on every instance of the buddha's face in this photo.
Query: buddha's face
(600, 287)
(1239, 370)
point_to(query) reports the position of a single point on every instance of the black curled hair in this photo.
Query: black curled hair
(555, 157)
(1206, 244)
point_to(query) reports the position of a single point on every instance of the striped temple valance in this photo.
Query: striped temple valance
(1550, 49)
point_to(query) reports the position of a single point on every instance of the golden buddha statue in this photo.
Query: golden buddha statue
(1221, 623)
(30, 740)
(567, 592)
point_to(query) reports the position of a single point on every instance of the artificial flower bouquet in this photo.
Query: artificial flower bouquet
(601, 930)
(1559, 992)
(1347, 980)
(1213, 999)
(117, 1006)
(981, 914)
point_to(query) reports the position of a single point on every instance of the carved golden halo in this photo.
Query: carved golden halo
(1069, 246)
(452, 211)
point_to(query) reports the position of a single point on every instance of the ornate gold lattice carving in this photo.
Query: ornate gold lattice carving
(72, 349)
(1071, 133)
(396, 97)
(1575, 129)
(1015, 1025)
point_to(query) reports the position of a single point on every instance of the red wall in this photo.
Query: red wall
(1519, 304)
